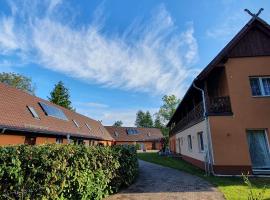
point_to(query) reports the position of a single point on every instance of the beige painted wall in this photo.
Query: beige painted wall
(229, 132)
(193, 131)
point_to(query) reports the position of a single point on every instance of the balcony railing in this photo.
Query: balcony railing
(214, 106)
(219, 105)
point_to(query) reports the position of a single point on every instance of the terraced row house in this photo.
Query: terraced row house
(26, 119)
(144, 138)
(223, 121)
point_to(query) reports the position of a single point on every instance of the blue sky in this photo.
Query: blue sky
(117, 56)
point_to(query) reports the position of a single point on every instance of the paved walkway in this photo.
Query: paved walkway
(156, 182)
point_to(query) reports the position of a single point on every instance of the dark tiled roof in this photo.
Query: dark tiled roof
(144, 134)
(14, 114)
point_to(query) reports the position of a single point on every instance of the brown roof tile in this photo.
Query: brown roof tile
(144, 134)
(15, 114)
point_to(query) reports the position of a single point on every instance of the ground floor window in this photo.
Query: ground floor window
(30, 140)
(59, 140)
(259, 149)
(200, 141)
(189, 142)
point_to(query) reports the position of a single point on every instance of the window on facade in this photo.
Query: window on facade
(75, 122)
(260, 86)
(30, 140)
(33, 112)
(59, 140)
(200, 141)
(189, 142)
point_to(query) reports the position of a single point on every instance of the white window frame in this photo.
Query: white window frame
(189, 142)
(87, 125)
(76, 123)
(33, 112)
(261, 85)
(199, 142)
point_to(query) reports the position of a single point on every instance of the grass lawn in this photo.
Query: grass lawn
(233, 188)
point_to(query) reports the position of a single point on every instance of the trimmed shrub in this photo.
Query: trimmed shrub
(65, 171)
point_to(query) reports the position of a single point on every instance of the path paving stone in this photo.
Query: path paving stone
(156, 182)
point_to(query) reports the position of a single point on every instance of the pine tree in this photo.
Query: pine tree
(144, 119)
(60, 96)
(118, 123)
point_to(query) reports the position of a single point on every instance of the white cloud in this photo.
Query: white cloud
(152, 56)
(109, 115)
(92, 104)
(228, 26)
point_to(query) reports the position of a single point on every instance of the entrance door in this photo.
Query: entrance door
(179, 145)
(259, 149)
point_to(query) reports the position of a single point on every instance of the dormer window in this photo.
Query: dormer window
(148, 134)
(76, 123)
(33, 112)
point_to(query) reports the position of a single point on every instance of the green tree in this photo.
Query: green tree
(165, 113)
(18, 81)
(118, 123)
(168, 108)
(60, 96)
(144, 119)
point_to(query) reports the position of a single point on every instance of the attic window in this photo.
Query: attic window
(101, 130)
(76, 123)
(116, 134)
(148, 134)
(33, 112)
(53, 111)
(88, 126)
(132, 131)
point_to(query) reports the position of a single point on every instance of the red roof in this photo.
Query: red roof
(143, 134)
(15, 115)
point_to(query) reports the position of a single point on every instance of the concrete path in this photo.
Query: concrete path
(156, 182)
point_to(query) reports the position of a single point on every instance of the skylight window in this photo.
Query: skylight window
(116, 134)
(33, 112)
(88, 126)
(53, 111)
(132, 131)
(76, 123)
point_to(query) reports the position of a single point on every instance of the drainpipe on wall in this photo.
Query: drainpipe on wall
(209, 144)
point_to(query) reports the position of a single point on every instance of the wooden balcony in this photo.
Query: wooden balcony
(216, 106)
(219, 106)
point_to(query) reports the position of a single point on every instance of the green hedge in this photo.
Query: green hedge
(65, 171)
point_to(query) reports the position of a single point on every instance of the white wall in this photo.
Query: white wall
(193, 131)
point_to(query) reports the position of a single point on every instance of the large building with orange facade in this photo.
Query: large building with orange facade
(26, 119)
(222, 123)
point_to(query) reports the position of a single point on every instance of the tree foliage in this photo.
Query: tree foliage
(118, 123)
(144, 119)
(60, 96)
(165, 113)
(65, 171)
(18, 81)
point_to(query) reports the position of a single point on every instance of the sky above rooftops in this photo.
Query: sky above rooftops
(117, 56)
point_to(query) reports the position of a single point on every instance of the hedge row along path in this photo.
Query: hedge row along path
(156, 182)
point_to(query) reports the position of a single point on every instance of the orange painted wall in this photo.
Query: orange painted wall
(45, 140)
(11, 140)
(228, 133)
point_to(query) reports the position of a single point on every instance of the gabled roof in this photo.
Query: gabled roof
(230, 50)
(143, 134)
(15, 115)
